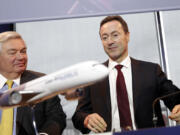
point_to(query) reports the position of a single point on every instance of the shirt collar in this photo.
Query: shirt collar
(126, 63)
(3, 81)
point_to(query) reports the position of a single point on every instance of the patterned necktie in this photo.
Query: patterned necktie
(122, 100)
(6, 127)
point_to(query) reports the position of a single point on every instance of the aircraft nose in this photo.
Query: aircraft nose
(100, 68)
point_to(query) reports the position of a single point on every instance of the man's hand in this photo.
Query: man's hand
(175, 114)
(95, 123)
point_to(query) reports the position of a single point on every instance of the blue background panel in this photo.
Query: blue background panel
(33, 10)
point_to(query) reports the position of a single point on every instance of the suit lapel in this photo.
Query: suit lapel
(106, 87)
(105, 90)
(135, 82)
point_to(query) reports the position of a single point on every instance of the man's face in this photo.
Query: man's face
(115, 40)
(13, 57)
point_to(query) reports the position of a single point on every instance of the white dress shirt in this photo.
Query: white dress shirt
(3, 80)
(127, 72)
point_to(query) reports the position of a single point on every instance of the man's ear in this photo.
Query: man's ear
(128, 36)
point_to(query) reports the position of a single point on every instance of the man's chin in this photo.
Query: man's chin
(21, 70)
(114, 57)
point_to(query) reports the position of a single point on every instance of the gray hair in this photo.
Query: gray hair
(5, 36)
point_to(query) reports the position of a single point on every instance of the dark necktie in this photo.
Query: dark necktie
(122, 100)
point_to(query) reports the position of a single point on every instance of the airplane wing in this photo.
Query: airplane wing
(43, 88)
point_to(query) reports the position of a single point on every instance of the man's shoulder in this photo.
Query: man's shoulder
(33, 73)
(29, 75)
(142, 62)
(135, 61)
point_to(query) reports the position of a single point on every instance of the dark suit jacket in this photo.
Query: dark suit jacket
(49, 115)
(148, 82)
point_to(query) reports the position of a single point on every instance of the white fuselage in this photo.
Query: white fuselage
(45, 87)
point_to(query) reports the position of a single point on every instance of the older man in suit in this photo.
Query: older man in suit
(49, 116)
(123, 101)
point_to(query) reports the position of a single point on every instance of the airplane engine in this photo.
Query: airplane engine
(10, 98)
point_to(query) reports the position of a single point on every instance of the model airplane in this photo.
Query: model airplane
(35, 91)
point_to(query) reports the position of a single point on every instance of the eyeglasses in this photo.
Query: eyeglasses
(114, 36)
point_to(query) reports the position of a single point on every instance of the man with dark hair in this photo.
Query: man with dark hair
(123, 101)
(49, 116)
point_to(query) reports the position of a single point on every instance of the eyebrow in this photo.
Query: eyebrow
(105, 34)
(110, 33)
(12, 49)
